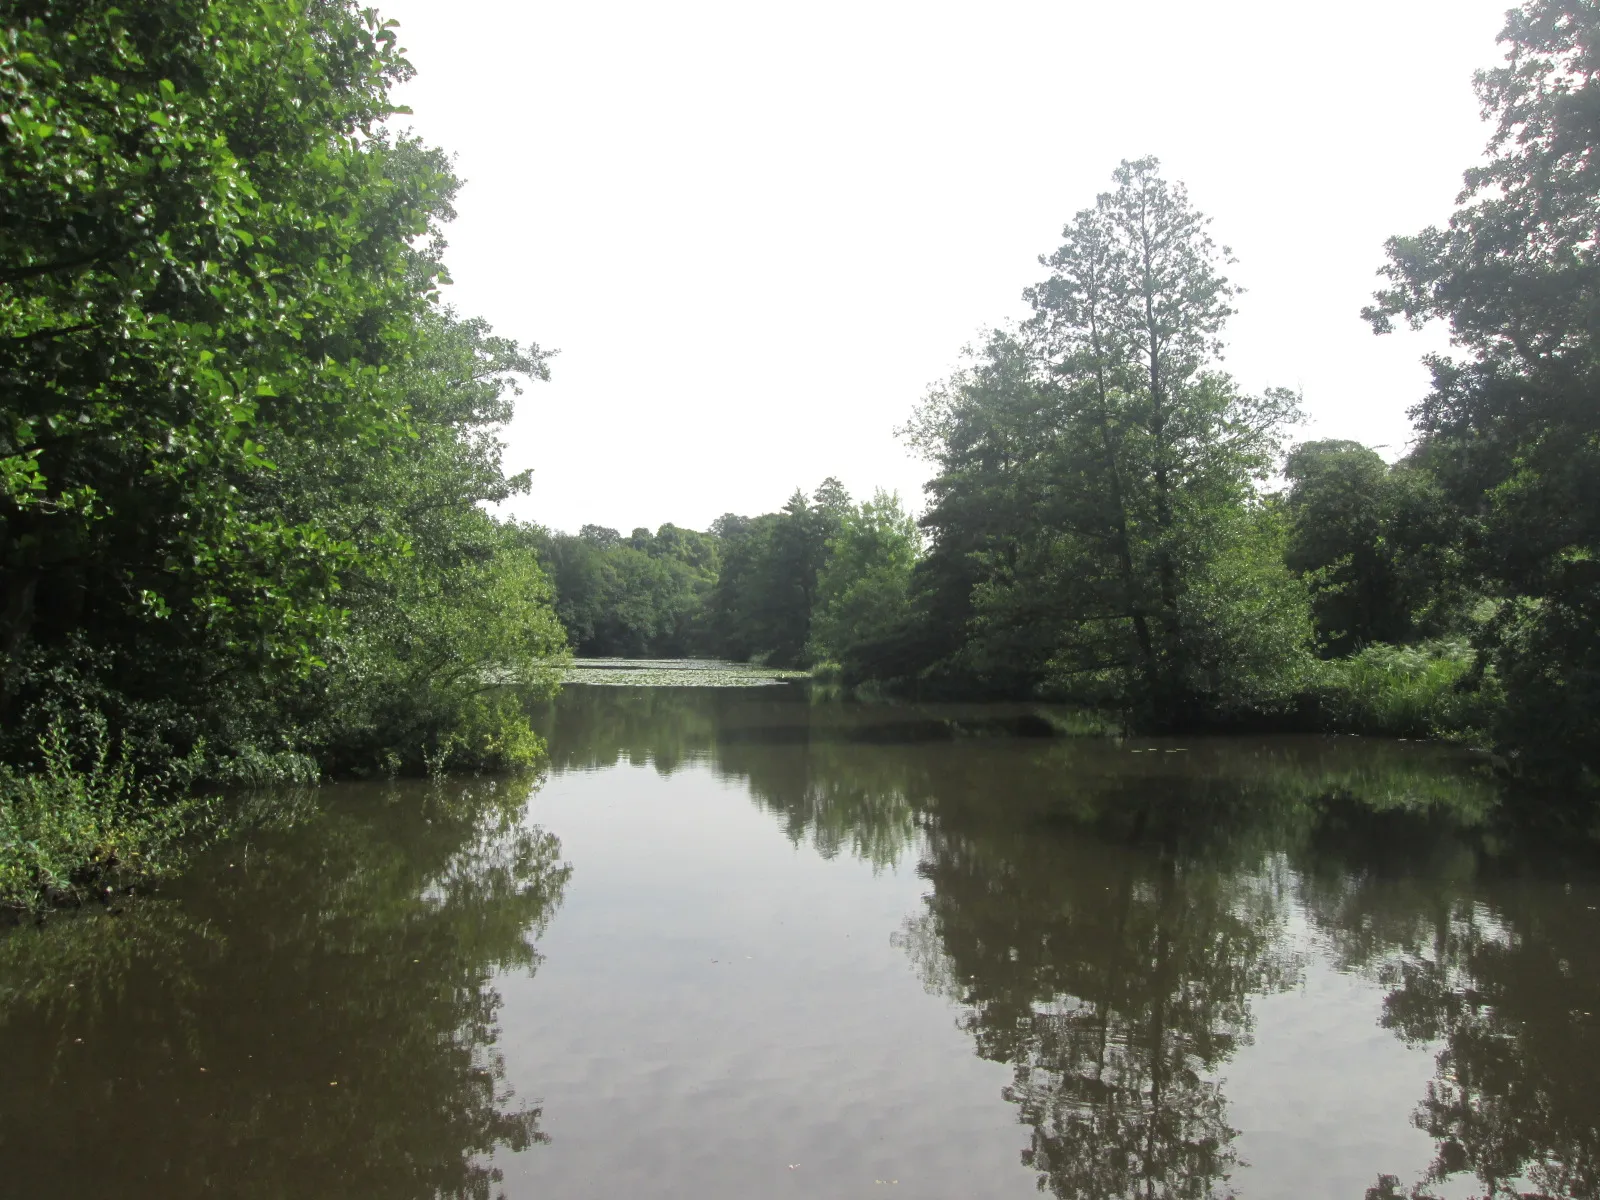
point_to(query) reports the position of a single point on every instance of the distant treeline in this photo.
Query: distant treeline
(1343, 606)
(788, 589)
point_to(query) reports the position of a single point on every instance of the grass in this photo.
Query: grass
(1425, 691)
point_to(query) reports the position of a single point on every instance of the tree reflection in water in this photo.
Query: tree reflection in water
(1110, 953)
(1109, 957)
(1109, 947)
(1513, 1001)
(311, 1013)
(1104, 920)
(1489, 952)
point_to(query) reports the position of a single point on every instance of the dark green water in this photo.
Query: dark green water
(735, 944)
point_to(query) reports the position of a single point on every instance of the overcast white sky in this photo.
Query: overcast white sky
(757, 232)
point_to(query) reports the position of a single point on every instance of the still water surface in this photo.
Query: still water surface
(737, 944)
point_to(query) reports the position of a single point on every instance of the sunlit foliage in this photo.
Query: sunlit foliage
(243, 447)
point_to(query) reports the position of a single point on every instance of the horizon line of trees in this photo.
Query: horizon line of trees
(787, 589)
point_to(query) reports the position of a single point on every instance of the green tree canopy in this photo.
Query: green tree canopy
(643, 596)
(863, 589)
(242, 445)
(1512, 425)
(1096, 481)
(1379, 542)
(764, 598)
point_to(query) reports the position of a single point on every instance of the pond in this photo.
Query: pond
(749, 942)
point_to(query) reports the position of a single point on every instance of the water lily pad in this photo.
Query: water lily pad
(674, 672)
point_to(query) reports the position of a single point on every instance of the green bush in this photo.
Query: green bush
(77, 818)
(1430, 690)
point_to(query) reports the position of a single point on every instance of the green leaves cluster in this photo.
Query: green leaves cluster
(243, 448)
(449, 626)
(203, 240)
(1380, 546)
(767, 590)
(864, 589)
(82, 816)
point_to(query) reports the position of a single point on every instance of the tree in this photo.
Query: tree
(601, 536)
(688, 546)
(1512, 424)
(242, 445)
(640, 596)
(863, 591)
(449, 629)
(984, 430)
(1380, 545)
(767, 590)
(204, 240)
(799, 551)
(1096, 480)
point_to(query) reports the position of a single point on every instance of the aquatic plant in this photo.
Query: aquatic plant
(84, 815)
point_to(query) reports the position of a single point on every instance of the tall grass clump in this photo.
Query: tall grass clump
(82, 816)
(1431, 690)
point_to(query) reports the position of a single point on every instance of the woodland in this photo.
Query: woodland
(250, 461)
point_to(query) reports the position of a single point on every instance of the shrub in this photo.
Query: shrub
(77, 818)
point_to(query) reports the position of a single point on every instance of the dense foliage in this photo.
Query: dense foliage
(242, 444)
(1095, 526)
(1512, 426)
(1378, 543)
(642, 596)
(863, 595)
(765, 595)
